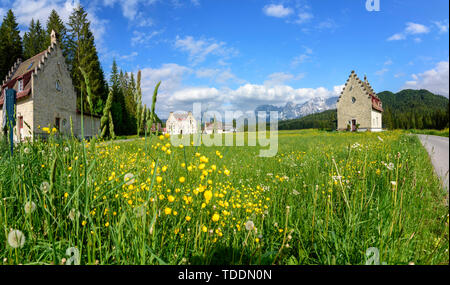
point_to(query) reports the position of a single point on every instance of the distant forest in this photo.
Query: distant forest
(407, 109)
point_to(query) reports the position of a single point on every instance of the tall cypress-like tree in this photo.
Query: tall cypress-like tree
(55, 23)
(34, 41)
(81, 51)
(10, 44)
(118, 101)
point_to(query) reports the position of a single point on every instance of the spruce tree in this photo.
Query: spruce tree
(81, 51)
(55, 23)
(35, 40)
(10, 44)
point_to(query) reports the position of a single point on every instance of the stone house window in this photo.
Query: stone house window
(353, 99)
(57, 123)
(20, 87)
(58, 85)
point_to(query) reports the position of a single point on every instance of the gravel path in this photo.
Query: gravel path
(438, 149)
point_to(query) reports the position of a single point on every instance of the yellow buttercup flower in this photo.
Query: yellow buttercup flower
(215, 217)
(182, 179)
(167, 211)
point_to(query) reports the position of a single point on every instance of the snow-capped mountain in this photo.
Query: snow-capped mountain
(294, 111)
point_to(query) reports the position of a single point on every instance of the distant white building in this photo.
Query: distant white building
(228, 128)
(182, 124)
(213, 128)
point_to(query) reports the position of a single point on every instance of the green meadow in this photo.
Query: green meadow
(325, 198)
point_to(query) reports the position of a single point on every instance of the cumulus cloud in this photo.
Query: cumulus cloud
(443, 26)
(304, 17)
(435, 80)
(170, 75)
(199, 49)
(410, 29)
(129, 8)
(280, 78)
(220, 76)
(278, 11)
(25, 10)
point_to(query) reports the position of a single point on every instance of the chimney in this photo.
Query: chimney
(53, 38)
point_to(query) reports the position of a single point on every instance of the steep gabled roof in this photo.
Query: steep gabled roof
(367, 89)
(23, 71)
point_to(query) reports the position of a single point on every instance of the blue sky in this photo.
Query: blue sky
(237, 54)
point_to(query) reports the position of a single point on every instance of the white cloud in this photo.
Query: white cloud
(443, 26)
(411, 29)
(435, 80)
(397, 37)
(381, 71)
(170, 75)
(280, 78)
(25, 10)
(140, 38)
(304, 17)
(129, 8)
(302, 57)
(414, 29)
(388, 62)
(278, 11)
(251, 95)
(220, 76)
(199, 49)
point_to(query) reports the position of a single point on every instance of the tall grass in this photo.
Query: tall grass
(325, 198)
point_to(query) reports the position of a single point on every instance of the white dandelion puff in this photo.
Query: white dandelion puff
(249, 225)
(45, 186)
(29, 207)
(390, 166)
(73, 214)
(66, 149)
(16, 239)
(129, 178)
(26, 150)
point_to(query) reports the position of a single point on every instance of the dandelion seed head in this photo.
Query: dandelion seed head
(29, 207)
(129, 178)
(249, 225)
(16, 239)
(45, 187)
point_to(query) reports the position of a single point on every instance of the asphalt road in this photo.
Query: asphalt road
(438, 149)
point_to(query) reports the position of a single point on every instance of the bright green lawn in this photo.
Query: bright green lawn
(325, 198)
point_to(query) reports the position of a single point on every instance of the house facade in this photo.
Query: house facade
(45, 96)
(213, 128)
(358, 106)
(182, 124)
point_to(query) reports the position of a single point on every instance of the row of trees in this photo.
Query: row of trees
(416, 119)
(78, 45)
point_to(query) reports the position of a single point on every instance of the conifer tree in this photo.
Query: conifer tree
(55, 23)
(35, 40)
(10, 44)
(81, 51)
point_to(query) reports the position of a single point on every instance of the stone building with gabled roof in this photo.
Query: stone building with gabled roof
(45, 96)
(181, 123)
(358, 106)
